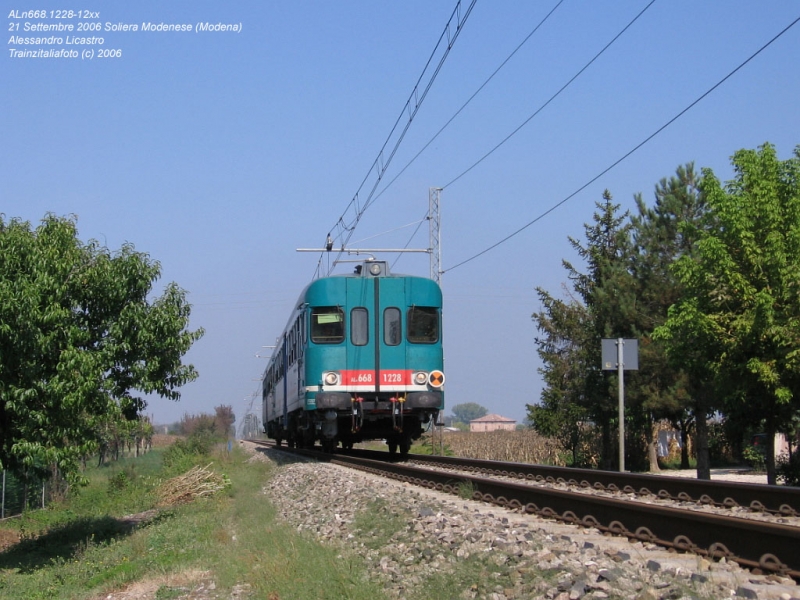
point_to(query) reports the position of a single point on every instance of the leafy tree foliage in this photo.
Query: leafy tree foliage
(468, 411)
(625, 292)
(224, 417)
(738, 320)
(217, 426)
(79, 338)
(662, 233)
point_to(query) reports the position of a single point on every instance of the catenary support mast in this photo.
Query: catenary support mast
(434, 228)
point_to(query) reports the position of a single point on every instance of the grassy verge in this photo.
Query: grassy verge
(83, 548)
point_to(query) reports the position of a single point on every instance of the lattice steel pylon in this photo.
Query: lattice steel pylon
(435, 231)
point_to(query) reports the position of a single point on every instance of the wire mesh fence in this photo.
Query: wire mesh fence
(17, 496)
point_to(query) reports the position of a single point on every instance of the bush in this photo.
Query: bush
(788, 469)
(123, 479)
(186, 453)
(118, 482)
(755, 456)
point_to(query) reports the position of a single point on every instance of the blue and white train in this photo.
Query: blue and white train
(360, 359)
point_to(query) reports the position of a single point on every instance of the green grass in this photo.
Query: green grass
(675, 463)
(378, 522)
(476, 574)
(78, 549)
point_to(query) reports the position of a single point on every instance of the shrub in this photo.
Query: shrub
(788, 469)
(186, 453)
(123, 479)
(118, 482)
(755, 456)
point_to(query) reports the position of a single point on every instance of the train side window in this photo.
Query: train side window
(423, 324)
(359, 326)
(301, 340)
(392, 333)
(327, 325)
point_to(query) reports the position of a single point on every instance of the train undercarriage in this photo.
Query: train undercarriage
(342, 419)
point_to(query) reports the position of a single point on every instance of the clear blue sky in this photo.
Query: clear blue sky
(221, 153)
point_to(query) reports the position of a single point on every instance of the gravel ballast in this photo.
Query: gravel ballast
(514, 555)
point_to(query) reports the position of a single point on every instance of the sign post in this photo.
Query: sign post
(622, 354)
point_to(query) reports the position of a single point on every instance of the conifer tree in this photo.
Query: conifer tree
(661, 234)
(606, 293)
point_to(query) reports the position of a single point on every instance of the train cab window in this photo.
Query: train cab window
(392, 333)
(359, 326)
(423, 324)
(327, 325)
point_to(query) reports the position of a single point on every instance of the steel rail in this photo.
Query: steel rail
(764, 546)
(777, 499)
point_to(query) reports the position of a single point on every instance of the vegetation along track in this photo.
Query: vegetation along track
(759, 545)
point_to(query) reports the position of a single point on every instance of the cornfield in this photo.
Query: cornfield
(525, 446)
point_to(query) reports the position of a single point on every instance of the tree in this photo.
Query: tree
(224, 418)
(737, 323)
(562, 346)
(662, 233)
(79, 337)
(468, 411)
(607, 292)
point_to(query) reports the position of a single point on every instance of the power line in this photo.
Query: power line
(463, 106)
(509, 136)
(344, 230)
(553, 97)
(413, 235)
(627, 154)
(417, 223)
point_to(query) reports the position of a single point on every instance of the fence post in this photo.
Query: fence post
(3, 501)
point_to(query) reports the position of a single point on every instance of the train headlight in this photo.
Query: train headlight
(420, 378)
(375, 269)
(330, 378)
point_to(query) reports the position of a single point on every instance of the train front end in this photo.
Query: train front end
(374, 367)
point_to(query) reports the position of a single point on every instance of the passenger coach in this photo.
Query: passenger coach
(360, 359)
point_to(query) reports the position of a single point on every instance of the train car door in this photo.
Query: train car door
(393, 375)
(360, 374)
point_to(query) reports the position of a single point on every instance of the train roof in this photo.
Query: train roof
(366, 269)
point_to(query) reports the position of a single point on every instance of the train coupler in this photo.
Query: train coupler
(397, 412)
(357, 415)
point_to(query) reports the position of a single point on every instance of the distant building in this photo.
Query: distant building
(493, 423)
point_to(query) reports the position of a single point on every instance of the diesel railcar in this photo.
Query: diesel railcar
(360, 359)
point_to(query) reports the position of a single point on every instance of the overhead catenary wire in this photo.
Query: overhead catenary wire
(469, 100)
(624, 156)
(535, 113)
(553, 97)
(413, 235)
(417, 223)
(344, 227)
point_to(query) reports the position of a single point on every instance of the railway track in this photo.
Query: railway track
(765, 547)
(780, 501)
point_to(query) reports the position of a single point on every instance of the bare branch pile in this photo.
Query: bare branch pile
(199, 482)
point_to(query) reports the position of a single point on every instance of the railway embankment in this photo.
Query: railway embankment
(425, 537)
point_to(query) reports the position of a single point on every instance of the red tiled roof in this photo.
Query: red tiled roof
(493, 419)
